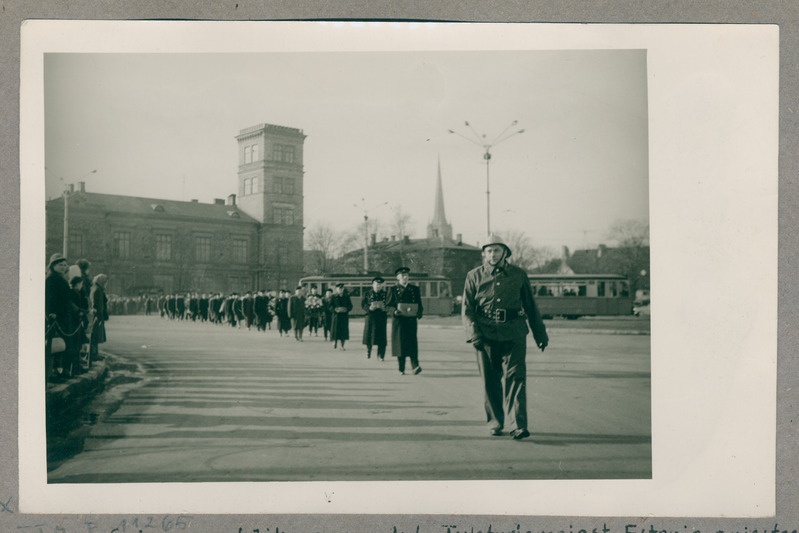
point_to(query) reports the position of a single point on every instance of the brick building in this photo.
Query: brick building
(251, 240)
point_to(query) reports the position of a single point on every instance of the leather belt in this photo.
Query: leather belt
(500, 316)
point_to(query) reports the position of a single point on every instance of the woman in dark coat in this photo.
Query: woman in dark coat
(62, 319)
(99, 305)
(374, 326)
(405, 301)
(341, 305)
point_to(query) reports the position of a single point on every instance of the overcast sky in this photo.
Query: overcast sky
(164, 126)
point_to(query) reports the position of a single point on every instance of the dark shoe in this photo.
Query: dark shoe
(495, 432)
(402, 372)
(519, 434)
(417, 370)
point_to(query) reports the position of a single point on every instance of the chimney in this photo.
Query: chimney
(564, 253)
(460, 238)
(406, 239)
(393, 237)
(374, 239)
(231, 199)
(82, 186)
(71, 188)
(194, 201)
(219, 201)
(601, 250)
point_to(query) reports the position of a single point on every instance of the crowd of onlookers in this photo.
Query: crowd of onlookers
(76, 309)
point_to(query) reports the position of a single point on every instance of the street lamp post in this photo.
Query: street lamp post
(479, 140)
(366, 231)
(67, 192)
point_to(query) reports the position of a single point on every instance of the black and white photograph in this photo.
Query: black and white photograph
(365, 263)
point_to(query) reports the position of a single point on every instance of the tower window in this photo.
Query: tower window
(284, 215)
(283, 152)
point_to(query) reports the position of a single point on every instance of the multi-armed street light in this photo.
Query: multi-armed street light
(67, 192)
(480, 140)
(362, 207)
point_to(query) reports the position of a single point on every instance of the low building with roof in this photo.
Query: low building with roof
(251, 240)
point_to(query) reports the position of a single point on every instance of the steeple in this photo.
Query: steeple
(439, 227)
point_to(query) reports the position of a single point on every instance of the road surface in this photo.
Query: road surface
(223, 404)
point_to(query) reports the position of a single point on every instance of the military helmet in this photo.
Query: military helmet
(496, 239)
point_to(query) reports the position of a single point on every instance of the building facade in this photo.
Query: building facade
(251, 240)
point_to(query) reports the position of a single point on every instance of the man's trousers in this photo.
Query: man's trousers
(498, 360)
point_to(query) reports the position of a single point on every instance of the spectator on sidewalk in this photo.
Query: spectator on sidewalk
(99, 308)
(62, 320)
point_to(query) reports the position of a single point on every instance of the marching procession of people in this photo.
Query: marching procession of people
(498, 311)
(306, 309)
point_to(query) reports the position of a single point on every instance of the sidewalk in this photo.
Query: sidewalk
(65, 403)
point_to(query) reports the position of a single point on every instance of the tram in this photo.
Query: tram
(574, 295)
(436, 290)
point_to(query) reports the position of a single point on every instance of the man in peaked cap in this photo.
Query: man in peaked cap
(374, 328)
(498, 306)
(404, 301)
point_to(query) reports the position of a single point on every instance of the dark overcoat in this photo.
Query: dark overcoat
(375, 321)
(404, 340)
(340, 324)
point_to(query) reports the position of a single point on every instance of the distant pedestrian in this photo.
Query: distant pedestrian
(297, 312)
(405, 303)
(498, 306)
(340, 325)
(374, 327)
(282, 312)
(327, 312)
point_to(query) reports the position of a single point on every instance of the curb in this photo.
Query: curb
(65, 402)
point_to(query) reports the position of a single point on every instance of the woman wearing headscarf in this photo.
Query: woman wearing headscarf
(99, 307)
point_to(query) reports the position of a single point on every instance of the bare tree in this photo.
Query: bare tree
(629, 233)
(401, 223)
(326, 242)
(632, 238)
(525, 255)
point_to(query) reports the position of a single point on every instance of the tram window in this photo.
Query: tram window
(542, 291)
(582, 290)
(600, 290)
(445, 290)
(434, 289)
(354, 290)
(423, 289)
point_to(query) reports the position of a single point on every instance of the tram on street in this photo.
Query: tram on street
(436, 290)
(574, 295)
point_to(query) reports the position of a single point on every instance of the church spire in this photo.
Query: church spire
(439, 227)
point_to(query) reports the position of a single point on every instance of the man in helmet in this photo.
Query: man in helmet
(498, 306)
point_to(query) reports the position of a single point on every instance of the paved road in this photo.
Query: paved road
(222, 404)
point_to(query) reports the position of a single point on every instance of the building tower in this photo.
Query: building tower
(271, 191)
(439, 228)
